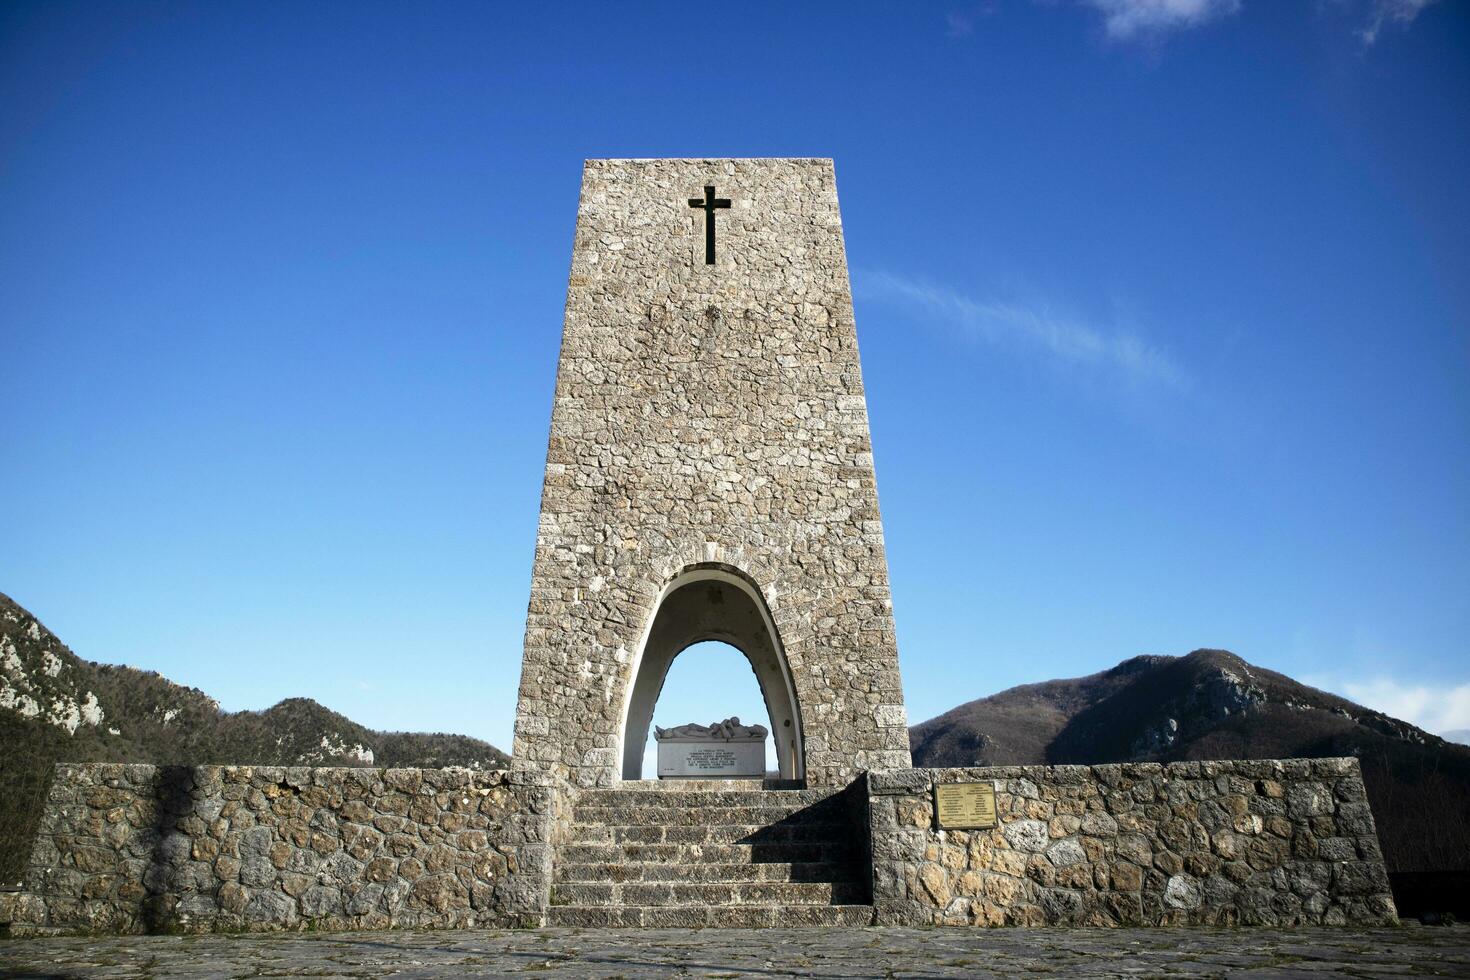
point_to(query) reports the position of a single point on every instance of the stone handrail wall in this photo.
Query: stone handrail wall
(1269, 843)
(137, 848)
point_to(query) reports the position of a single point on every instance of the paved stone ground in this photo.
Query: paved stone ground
(722, 953)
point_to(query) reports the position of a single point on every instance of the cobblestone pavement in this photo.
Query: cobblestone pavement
(1409, 951)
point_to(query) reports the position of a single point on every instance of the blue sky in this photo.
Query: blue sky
(1163, 308)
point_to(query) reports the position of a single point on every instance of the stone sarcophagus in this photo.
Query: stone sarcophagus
(724, 750)
(709, 475)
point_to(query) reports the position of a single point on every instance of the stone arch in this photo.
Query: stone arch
(711, 600)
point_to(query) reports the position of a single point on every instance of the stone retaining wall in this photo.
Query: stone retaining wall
(133, 848)
(127, 848)
(1221, 843)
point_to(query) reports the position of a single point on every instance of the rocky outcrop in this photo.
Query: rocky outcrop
(120, 713)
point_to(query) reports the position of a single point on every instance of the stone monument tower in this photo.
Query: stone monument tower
(709, 475)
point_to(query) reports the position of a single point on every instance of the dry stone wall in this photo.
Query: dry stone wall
(1267, 843)
(709, 415)
(127, 848)
(134, 848)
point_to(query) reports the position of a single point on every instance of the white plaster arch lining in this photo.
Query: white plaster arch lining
(649, 667)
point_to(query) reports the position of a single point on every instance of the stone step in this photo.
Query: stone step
(787, 852)
(619, 871)
(717, 917)
(680, 797)
(689, 893)
(780, 833)
(685, 816)
(703, 785)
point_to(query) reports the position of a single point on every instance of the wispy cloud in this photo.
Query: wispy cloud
(1434, 709)
(960, 22)
(1060, 337)
(1127, 20)
(1391, 12)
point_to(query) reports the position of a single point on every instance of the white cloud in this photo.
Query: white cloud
(1434, 709)
(1401, 12)
(961, 22)
(1125, 20)
(1063, 338)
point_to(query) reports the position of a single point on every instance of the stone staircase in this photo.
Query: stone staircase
(718, 853)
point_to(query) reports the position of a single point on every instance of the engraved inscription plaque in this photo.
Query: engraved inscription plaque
(711, 760)
(702, 758)
(965, 806)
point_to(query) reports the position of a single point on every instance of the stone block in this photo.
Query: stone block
(1027, 835)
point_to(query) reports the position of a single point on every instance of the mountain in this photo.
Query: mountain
(1211, 704)
(56, 707)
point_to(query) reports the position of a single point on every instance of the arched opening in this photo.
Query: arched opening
(712, 603)
(708, 682)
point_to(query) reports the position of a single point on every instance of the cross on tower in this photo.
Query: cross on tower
(709, 203)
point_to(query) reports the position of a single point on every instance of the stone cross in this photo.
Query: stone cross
(709, 203)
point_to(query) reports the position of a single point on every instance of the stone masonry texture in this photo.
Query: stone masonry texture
(1260, 843)
(135, 848)
(128, 848)
(709, 415)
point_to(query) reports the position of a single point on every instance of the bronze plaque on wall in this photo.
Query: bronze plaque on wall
(964, 806)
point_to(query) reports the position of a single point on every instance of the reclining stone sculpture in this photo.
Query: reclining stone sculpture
(728, 729)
